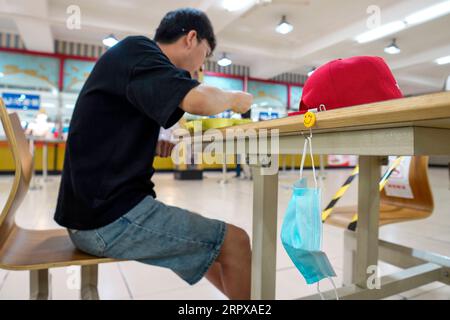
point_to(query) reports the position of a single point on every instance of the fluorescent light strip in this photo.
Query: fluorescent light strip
(443, 60)
(381, 32)
(420, 16)
(235, 5)
(429, 13)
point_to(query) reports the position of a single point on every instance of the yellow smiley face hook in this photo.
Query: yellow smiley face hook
(309, 119)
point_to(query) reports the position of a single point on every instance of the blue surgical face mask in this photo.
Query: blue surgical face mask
(301, 232)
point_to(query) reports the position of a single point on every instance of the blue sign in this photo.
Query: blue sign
(226, 114)
(21, 101)
(268, 116)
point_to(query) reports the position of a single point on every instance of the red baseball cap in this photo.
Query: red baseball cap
(349, 82)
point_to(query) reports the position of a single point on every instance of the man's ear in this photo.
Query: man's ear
(191, 39)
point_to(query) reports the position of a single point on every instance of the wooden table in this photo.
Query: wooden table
(410, 126)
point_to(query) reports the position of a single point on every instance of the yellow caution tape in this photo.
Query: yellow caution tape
(338, 195)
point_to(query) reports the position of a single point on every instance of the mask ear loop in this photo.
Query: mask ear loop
(312, 157)
(314, 176)
(309, 140)
(334, 289)
(303, 157)
(320, 292)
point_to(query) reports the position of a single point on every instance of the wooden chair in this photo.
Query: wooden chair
(37, 250)
(394, 209)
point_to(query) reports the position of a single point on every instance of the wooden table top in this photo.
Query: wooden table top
(431, 110)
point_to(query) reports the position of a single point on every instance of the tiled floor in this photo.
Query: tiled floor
(231, 202)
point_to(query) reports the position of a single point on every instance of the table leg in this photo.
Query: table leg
(40, 284)
(322, 172)
(45, 161)
(34, 185)
(264, 242)
(368, 217)
(224, 179)
(89, 283)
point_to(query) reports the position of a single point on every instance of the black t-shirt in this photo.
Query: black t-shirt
(132, 91)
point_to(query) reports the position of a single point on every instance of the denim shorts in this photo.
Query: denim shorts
(159, 235)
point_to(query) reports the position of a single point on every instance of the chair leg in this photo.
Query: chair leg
(89, 281)
(40, 285)
(349, 266)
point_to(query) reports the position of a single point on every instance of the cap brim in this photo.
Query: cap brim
(297, 113)
(303, 106)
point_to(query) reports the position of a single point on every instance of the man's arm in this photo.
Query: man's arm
(206, 100)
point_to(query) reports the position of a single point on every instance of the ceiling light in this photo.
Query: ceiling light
(224, 61)
(429, 13)
(443, 60)
(235, 5)
(284, 27)
(381, 32)
(392, 48)
(110, 41)
(311, 71)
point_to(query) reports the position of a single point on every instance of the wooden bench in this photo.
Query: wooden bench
(37, 250)
(395, 209)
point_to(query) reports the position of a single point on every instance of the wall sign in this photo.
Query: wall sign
(224, 83)
(76, 73)
(268, 95)
(398, 184)
(268, 116)
(28, 71)
(296, 96)
(21, 101)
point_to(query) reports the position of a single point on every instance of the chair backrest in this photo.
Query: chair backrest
(23, 161)
(420, 186)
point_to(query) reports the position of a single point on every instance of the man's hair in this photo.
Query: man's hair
(178, 23)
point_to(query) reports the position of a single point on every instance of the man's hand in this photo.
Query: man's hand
(206, 100)
(241, 101)
(164, 148)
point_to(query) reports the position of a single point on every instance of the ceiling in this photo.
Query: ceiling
(323, 30)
